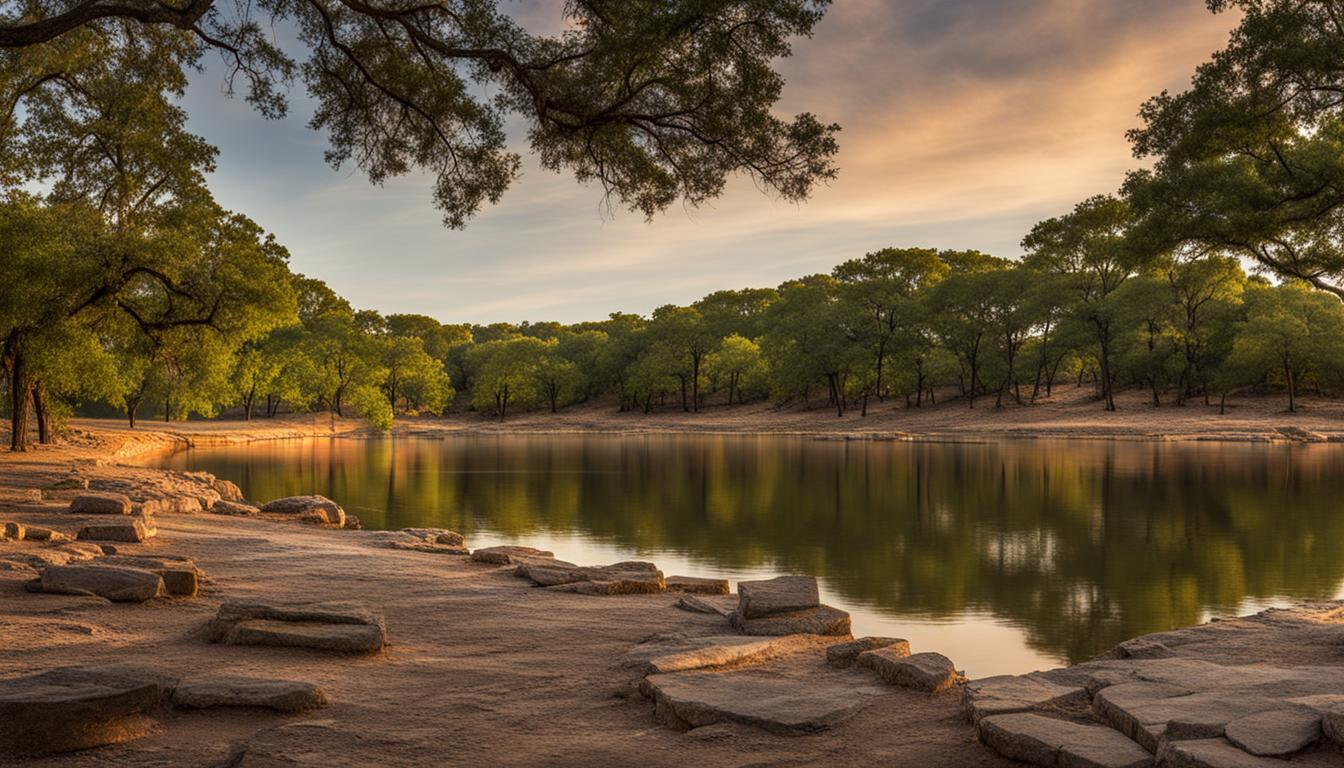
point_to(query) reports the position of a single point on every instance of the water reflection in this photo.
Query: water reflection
(1055, 550)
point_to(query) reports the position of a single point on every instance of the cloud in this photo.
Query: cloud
(965, 121)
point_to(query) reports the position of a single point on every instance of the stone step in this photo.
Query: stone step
(1038, 740)
(73, 708)
(259, 693)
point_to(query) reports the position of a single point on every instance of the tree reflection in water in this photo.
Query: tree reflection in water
(1081, 544)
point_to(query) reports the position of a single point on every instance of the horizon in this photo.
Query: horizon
(997, 133)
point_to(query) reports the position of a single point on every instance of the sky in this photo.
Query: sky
(964, 123)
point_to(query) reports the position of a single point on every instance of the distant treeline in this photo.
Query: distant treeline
(123, 282)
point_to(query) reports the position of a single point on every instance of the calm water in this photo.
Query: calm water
(1006, 556)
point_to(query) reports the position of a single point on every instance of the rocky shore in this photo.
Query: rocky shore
(160, 618)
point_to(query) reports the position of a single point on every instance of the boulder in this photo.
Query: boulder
(72, 708)
(339, 627)
(845, 654)
(783, 594)
(822, 620)
(1209, 753)
(116, 583)
(353, 523)
(235, 509)
(134, 530)
(314, 507)
(1046, 741)
(227, 490)
(508, 555)
(1333, 724)
(260, 693)
(696, 586)
(1276, 732)
(12, 531)
(679, 654)
(779, 705)
(101, 503)
(927, 671)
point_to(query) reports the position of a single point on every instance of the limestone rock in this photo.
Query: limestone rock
(696, 586)
(262, 693)
(822, 620)
(134, 530)
(679, 654)
(227, 490)
(35, 533)
(1333, 724)
(783, 594)
(1046, 741)
(317, 506)
(13, 531)
(72, 708)
(845, 654)
(1209, 753)
(171, 505)
(235, 509)
(1148, 711)
(181, 578)
(1276, 732)
(437, 536)
(1143, 648)
(340, 627)
(1017, 693)
(115, 583)
(625, 578)
(720, 605)
(508, 555)
(101, 503)
(779, 705)
(927, 671)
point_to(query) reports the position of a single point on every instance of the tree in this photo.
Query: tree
(963, 303)
(413, 377)
(809, 341)
(1291, 332)
(738, 360)
(558, 378)
(506, 374)
(1092, 250)
(686, 335)
(656, 101)
(882, 287)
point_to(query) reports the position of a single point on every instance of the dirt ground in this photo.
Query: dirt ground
(481, 668)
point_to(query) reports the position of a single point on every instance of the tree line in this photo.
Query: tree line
(124, 282)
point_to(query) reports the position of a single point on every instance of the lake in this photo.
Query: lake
(1007, 556)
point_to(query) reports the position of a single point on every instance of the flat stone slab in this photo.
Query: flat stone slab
(260, 693)
(329, 511)
(509, 555)
(1275, 733)
(718, 605)
(1017, 693)
(1046, 741)
(822, 620)
(696, 586)
(72, 708)
(181, 578)
(338, 627)
(119, 584)
(782, 594)
(437, 536)
(927, 671)
(101, 503)
(132, 531)
(1209, 753)
(678, 654)
(845, 654)
(1146, 712)
(625, 578)
(776, 704)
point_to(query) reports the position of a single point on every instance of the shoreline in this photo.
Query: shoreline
(525, 675)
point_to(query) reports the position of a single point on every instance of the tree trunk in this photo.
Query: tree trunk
(1292, 388)
(1106, 389)
(248, 400)
(695, 383)
(43, 415)
(167, 408)
(20, 391)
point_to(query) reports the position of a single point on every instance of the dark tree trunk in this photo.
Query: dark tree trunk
(20, 392)
(44, 435)
(1292, 387)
